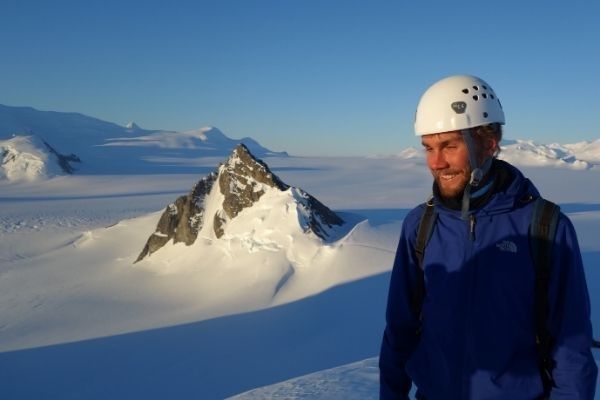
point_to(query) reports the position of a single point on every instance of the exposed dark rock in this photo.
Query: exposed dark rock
(7, 157)
(241, 181)
(64, 160)
(182, 220)
(218, 224)
(317, 214)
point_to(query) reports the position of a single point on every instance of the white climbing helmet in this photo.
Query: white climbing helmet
(455, 103)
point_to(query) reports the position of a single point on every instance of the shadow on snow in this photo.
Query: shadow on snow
(209, 359)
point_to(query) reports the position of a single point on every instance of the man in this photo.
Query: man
(461, 319)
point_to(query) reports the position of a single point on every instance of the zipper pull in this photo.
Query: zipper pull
(472, 227)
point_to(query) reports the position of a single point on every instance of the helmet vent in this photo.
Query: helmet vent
(492, 96)
(476, 87)
(484, 96)
(475, 97)
(465, 91)
(485, 115)
(484, 87)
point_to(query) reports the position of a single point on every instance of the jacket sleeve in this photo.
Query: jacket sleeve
(400, 335)
(569, 321)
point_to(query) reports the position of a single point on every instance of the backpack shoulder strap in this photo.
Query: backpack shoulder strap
(424, 231)
(542, 230)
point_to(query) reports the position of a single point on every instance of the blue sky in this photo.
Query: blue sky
(313, 77)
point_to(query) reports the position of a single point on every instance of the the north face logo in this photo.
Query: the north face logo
(507, 245)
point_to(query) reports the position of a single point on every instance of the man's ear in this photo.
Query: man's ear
(490, 146)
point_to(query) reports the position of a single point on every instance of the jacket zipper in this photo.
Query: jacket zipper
(472, 227)
(471, 272)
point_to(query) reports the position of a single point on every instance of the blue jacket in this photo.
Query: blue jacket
(478, 327)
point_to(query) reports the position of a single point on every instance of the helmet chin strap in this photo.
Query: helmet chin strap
(477, 172)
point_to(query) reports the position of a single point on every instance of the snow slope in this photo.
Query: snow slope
(355, 381)
(79, 320)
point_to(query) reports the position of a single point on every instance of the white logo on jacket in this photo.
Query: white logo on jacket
(507, 245)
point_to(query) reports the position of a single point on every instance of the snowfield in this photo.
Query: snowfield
(264, 312)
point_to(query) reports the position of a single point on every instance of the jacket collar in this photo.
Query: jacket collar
(510, 188)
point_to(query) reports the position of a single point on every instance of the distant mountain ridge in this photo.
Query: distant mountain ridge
(105, 147)
(582, 155)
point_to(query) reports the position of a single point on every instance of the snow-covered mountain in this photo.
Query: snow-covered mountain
(589, 151)
(207, 141)
(242, 216)
(108, 148)
(29, 158)
(410, 152)
(582, 155)
(274, 244)
(132, 126)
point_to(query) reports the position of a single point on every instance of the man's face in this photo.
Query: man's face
(448, 160)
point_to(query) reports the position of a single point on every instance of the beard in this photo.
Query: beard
(451, 182)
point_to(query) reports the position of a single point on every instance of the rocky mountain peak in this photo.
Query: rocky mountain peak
(132, 126)
(242, 181)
